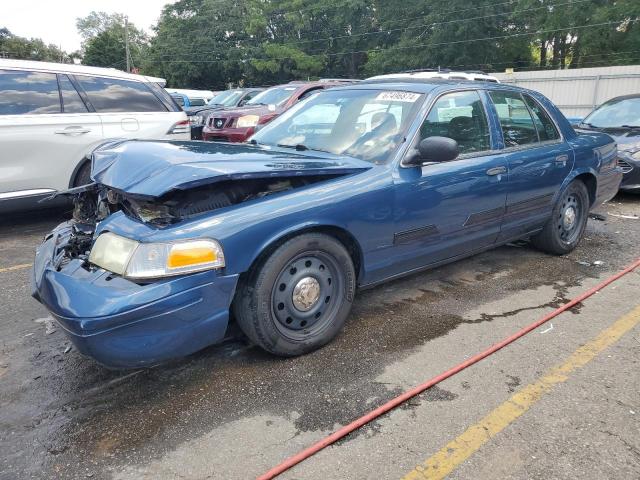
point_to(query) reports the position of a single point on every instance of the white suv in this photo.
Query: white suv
(53, 115)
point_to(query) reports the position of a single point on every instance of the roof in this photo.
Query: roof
(76, 69)
(426, 85)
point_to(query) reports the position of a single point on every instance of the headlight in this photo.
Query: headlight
(137, 260)
(636, 156)
(247, 121)
(196, 119)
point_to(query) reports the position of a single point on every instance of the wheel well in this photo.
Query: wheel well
(76, 171)
(343, 236)
(592, 185)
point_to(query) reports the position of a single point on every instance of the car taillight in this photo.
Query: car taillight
(179, 127)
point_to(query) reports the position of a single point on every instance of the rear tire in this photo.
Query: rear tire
(297, 300)
(565, 229)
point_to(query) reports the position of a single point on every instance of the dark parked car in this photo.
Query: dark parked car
(229, 98)
(238, 124)
(620, 118)
(355, 186)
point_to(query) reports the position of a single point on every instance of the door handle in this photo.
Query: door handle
(561, 160)
(73, 131)
(496, 171)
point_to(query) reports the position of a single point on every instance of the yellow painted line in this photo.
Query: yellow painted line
(15, 267)
(457, 451)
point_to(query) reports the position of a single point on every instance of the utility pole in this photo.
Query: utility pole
(126, 41)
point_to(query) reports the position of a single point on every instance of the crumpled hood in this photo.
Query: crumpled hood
(153, 168)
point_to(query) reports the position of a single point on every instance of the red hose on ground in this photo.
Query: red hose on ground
(393, 403)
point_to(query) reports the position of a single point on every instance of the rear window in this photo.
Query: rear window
(27, 93)
(115, 95)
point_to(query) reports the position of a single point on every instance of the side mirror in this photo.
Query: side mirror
(434, 149)
(242, 103)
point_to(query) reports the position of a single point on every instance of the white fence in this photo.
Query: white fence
(577, 92)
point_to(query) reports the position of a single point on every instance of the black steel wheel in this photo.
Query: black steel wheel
(299, 297)
(565, 229)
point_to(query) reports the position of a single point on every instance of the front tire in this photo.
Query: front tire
(297, 300)
(565, 229)
(83, 176)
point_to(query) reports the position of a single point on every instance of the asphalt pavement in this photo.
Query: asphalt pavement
(232, 411)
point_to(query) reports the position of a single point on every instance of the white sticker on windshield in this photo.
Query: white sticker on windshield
(398, 97)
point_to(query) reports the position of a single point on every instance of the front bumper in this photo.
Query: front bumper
(631, 176)
(235, 135)
(122, 324)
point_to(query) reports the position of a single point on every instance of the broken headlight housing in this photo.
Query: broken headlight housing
(137, 260)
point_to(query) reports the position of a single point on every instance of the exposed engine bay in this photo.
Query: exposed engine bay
(95, 202)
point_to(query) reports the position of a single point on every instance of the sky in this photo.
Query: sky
(55, 20)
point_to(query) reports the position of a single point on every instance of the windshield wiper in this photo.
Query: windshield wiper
(301, 148)
(630, 126)
(298, 146)
(590, 125)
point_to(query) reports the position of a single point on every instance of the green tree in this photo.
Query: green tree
(13, 46)
(104, 40)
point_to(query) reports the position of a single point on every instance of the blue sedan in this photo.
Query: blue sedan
(352, 187)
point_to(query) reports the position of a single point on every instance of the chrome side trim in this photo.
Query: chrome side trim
(25, 193)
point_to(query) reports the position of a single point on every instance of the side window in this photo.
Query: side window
(115, 95)
(546, 128)
(460, 116)
(71, 101)
(515, 120)
(28, 93)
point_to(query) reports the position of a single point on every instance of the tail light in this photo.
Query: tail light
(180, 127)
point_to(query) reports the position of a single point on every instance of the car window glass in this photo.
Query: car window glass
(197, 102)
(71, 101)
(308, 93)
(615, 113)
(179, 99)
(273, 96)
(515, 120)
(318, 119)
(115, 95)
(460, 116)
(366, 124)
(23, 93)
(546, 128)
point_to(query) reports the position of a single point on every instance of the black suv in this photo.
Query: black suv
(235, 97)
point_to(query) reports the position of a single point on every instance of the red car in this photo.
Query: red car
(238, 124)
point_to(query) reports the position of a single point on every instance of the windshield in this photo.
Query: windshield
(228, 98)
(273, 96)
(616, 113)
(366, 124)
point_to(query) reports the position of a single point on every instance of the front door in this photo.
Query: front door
(444, 210)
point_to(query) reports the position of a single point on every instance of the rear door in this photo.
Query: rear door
(538, 158)
(45, 132)
(129, 109)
